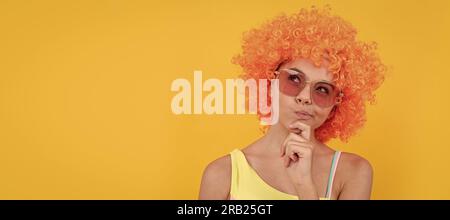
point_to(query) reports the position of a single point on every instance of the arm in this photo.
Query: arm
(216, 180)
(358, 185)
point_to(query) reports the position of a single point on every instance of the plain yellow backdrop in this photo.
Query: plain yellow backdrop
(85, 95)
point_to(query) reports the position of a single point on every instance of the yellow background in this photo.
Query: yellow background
(85, 95)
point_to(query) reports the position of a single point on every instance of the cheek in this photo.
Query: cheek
(322, 115)
(285, 101)
(286, 104)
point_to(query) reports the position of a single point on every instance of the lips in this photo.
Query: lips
(303, 115)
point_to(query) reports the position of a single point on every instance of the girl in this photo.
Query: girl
(325, 77)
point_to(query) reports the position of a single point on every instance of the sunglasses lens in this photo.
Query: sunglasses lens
(323, 94)
(291, 83)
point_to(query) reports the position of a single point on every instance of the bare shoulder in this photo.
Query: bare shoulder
(355, 165)
(356, 172)
(216, 179)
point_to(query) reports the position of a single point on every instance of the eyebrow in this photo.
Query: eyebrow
(297, 70)
(300, 71)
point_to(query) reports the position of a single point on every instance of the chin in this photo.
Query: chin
(309, 122)
(289, 121)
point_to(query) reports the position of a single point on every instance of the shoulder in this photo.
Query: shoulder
(220, 167)
(355, 165)
(216, 179)
(356, 173)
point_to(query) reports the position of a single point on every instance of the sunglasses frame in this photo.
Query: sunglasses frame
(338, 98)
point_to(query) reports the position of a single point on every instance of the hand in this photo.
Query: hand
(296, 151)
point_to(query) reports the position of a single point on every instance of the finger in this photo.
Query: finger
(286, 161)
(294, 157)
(290, 157)
(296, 137)
(287, 157)
(299, 145)
(290, 137)
(301, 150)
(292, 145)
(301, 129)
(305, 129)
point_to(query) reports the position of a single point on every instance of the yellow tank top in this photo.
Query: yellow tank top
(246, 184)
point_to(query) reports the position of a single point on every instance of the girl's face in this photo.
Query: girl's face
(302, 106)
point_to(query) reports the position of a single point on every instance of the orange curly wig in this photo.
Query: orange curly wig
(317, 35)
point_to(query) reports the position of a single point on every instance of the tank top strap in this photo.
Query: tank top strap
(239, 169)
(334, 164)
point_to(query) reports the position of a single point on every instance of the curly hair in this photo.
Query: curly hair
(317, 35)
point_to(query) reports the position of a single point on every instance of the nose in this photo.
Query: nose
(304, 96)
